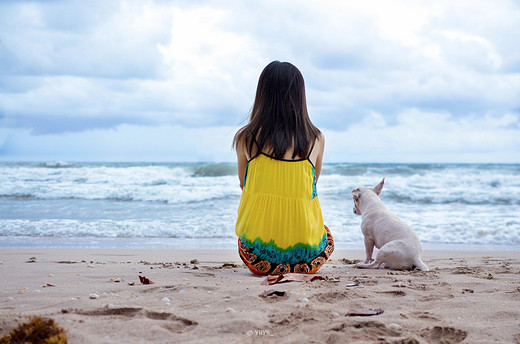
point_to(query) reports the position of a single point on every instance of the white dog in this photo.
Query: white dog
(399, 247)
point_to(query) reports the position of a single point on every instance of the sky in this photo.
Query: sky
(172, 81)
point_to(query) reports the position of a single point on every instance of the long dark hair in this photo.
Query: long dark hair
(279, 119)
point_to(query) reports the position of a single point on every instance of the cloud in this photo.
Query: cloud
(428, 137)
(123, 143)
(414, 137)
(139, 63)
(99, 39)
(70, 67)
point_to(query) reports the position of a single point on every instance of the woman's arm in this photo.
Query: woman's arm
(241, 161)
(317, 154)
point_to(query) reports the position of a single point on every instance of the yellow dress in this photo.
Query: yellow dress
(279, 216)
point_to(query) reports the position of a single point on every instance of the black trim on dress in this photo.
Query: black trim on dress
(288, 160)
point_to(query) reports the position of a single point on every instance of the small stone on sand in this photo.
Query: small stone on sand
(394, 327)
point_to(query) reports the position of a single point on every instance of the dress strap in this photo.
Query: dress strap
(312, 147)
(257, 150)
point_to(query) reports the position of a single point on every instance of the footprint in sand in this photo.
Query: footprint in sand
(165, 288)
(123, 311)
(422, 315)
(171, 322)
(366, 331)
(245, 327)
(464, 270)
(174, 323)
(392, 292)
(332, 297)
(443, 335)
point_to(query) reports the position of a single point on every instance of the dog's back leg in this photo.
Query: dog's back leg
(373, 265)
(399, 255)
(419, 264)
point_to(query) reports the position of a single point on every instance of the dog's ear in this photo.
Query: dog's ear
(379, 187)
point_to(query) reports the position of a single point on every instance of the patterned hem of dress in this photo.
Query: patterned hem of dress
(264, 267)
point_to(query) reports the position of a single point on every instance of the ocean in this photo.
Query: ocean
(193, 206)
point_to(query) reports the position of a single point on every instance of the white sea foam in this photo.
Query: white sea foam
(136, 183)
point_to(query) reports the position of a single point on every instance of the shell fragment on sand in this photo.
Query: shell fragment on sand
(364, 312)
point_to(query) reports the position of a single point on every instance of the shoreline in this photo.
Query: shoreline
(209, 296)
(18, 242)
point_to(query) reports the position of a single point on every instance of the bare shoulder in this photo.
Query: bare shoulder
(320, 143)
(240, 143)
(317, 151)
(240, 134)
(240, 138)
(321, 139)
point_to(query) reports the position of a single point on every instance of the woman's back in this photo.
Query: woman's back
(280, 208)
(282, 178)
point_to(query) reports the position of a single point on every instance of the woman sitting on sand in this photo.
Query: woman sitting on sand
(280, 226)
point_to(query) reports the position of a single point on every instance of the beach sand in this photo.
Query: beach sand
(208, 296)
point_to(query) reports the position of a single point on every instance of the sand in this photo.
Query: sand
(209, 296)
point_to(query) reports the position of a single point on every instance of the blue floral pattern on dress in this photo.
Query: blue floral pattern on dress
(299, 253)
(314, 190)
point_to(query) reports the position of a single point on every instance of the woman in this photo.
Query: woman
(279, 152)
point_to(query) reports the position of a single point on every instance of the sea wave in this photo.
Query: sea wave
(430, 226)
(56, 164)
(155, 183)
(443, 203)
(215, 170)
(178, 183)
(107, 229)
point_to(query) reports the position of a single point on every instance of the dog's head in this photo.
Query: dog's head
(357, 195)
